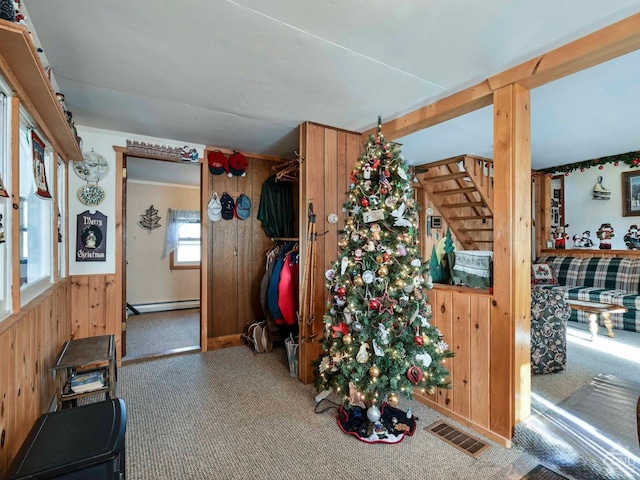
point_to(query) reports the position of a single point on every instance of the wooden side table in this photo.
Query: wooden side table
(594, 309)
(83, 353)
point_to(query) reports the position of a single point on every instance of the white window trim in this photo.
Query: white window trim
(6, 299)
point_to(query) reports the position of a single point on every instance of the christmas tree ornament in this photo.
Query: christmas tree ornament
(329, 274)
(377, 350)
(344, 265)
(358, 281)
(374, 304)
(383, 271)
(384, 334)
(415, 374)
(368, 276)
(363, 353)
(374, 371)
(355, 398)
(347, 339)
(393, 399)
(424, 358)
(400, 283)
(373, 413)
(357, 326)
(347, 315)
(419, 340)
(341, 291)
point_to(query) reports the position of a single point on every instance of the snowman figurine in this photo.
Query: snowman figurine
(605, 234)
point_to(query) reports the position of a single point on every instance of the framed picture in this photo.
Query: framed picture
(556, 193)
(631, 194)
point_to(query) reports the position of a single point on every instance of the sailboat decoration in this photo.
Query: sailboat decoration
(599, 192)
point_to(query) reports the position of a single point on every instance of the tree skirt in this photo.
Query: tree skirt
(392, 427)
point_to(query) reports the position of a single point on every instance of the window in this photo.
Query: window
(182, 241)
(36, 227)
(5, 204)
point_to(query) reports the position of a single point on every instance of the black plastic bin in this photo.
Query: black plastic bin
(86, 442)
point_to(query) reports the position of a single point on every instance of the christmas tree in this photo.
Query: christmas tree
(379, 343)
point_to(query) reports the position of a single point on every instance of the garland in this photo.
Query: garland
(631, 159)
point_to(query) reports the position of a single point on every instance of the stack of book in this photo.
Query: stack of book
(87, 381)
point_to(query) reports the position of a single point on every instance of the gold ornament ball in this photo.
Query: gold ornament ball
(375, 235)
(383, 271)
(349, 221)
(358, 281)
(374, 371)
(400, 283)
(379, 259)
(393, 399)
(347, 339)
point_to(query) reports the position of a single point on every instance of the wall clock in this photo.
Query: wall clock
(90, 194)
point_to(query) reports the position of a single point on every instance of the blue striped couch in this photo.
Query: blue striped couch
(600, 279)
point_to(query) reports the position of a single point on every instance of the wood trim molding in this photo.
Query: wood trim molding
(15, 203)
(257, 156)
(466, 101)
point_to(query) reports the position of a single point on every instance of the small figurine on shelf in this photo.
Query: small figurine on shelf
(605, 234)
(586, 239)
(632, 238)
(577, 241)
(561, 236)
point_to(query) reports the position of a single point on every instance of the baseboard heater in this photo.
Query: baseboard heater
(165, 306)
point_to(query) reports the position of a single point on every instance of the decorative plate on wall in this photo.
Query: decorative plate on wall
(91, 194)
(92, 168)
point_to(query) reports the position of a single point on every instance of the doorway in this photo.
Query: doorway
(161, 258)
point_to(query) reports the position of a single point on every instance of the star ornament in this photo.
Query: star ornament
(387, 304)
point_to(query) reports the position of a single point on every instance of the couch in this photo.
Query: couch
(598, 279)
(549, 315)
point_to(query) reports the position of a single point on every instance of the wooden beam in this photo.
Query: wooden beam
(510, 311)
(598, 47)
(466, 101)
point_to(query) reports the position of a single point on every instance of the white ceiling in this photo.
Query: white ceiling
(244, 74)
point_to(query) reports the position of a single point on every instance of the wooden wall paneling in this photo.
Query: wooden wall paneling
(247, 265)
(80, 306)
(224, 261)
(510, 374)
(8, 401)
(460, 344)
(205, 223)
(444, 321)
(315, 193)
(207, 290)
(112, 312)
(543, 231)
(479, 354)
(97, 306)
(26, 392)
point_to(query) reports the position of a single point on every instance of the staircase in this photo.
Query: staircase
(461, 188)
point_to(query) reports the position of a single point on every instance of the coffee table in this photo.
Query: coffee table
(594, 309)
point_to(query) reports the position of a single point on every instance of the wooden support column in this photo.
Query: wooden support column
(510, 315)
(542, 185)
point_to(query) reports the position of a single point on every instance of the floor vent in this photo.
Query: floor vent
(460, 440)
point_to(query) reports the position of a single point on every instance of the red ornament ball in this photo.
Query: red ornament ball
(374, 304)
(615, 164)
(601, 167)
(385, 257)
(365, 202)
(419, 340)
(582, 170)
(342, 291)
(415, 375)
(383, 190)
(636, 161)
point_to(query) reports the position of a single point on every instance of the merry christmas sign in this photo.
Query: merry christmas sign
(91, 237)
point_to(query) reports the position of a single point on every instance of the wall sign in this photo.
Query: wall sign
(91, 237)
(39, 171)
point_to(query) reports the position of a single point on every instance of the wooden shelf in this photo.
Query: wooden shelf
(20, 55)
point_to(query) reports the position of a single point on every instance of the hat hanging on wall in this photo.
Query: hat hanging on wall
(218, 162)
(599, 192)
(237, 165)
(227, 206)
(214, 209)
(243, 207)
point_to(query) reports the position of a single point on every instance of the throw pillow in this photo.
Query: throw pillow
(543, 274)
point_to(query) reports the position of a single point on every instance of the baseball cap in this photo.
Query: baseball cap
(237, 165)
(218, 162)
(227, 206)
(214, 209)
(243, 207)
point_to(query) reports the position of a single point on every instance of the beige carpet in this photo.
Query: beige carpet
(158, 332)
(231, 414)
